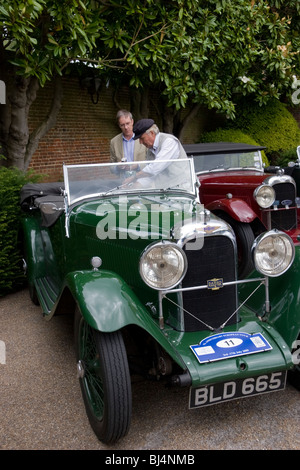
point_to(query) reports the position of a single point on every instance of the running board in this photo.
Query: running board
(47, 294)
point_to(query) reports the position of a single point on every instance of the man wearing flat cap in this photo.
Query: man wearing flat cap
(160, 146)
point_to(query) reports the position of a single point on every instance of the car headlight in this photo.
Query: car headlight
(163, 265)
(265, 196)
(273, 253)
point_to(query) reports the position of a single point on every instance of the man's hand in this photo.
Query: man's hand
(129, 180)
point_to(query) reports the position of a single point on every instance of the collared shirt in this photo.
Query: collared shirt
(128, 146)
(169, 150)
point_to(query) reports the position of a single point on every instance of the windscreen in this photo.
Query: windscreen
(86, 181)
(226, 161)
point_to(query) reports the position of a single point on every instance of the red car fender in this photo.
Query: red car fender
(236, 208)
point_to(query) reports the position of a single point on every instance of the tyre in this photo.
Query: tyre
(244, 239)
(104, 380)
(294, 375)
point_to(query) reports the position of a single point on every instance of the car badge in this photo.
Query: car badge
(210, 228)
(215, 284)
(286, 203)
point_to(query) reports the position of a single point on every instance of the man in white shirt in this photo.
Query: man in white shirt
(160, 147)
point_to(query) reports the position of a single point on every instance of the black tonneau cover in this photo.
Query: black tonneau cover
(30, 191)
(219, 147)
(36, 194)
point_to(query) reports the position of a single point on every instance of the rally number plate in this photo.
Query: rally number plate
(241, 388)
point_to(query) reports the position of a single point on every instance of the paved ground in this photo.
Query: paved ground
(41, 405)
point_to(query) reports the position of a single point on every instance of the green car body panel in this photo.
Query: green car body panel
(108, 303)
(167, 324)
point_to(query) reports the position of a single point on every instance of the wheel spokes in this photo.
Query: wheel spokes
(91, 376)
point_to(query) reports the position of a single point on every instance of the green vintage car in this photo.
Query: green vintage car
(151, 279)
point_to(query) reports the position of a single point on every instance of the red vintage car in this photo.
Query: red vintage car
(235, 186)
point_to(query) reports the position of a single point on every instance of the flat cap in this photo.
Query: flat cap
(141, 127)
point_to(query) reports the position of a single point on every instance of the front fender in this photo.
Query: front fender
(108, 304)
(236, 208)
(105, 300)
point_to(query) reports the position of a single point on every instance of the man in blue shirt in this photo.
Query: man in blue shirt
(123, 147)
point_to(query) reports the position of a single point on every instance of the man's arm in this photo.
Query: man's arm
(113, 156)
(116, 148)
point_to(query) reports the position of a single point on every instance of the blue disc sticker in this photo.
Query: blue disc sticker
(231, 344)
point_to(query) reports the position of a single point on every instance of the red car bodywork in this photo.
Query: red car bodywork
(232, 192)
(229, 193)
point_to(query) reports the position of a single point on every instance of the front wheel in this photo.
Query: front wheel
(294, 375)
(104, 379)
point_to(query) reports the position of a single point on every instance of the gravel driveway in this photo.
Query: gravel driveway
(42, 409)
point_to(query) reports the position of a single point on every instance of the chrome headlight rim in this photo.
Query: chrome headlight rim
(262, 258)
(260, 195)
(145, 266)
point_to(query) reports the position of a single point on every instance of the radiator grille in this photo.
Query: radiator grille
(215, 260)
(285, 219)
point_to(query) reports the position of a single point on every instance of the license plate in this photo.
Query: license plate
(241, 388)
(230, 344)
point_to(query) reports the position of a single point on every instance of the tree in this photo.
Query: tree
(207, 52)
(192, 53)
(38, 39)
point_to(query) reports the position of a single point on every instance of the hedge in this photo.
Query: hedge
(272, 126)
(11, 266)
(231, 135)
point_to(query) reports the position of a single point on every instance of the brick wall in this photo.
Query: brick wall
(83, 129)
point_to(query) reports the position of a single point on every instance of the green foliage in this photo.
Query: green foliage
(206, 52)
(193, 52)
(285, 158)
(272, 126)
(43, 36)
(232, 135)
(11, 272)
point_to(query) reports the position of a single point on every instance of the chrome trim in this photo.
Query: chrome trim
(162, 293)
(204, 226)
(239, 168)
(200, 228)
(157, 244)
(255, 192)
(204, 286)
(264, 235)
(277, 179)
